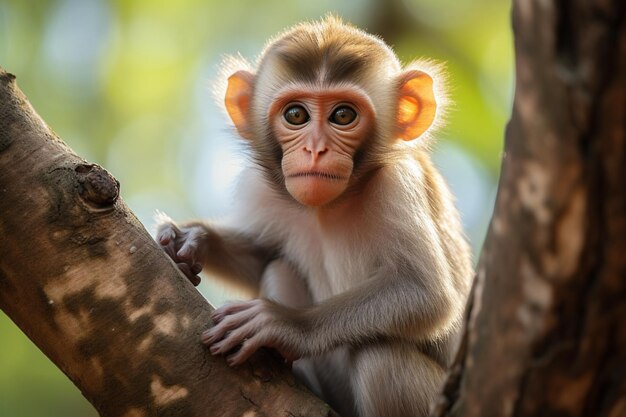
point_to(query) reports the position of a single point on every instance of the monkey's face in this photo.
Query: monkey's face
(319, 131)
(313, 108)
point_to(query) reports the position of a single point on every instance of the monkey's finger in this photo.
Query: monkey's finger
(186, 269)
(196, 268)
(217, 332)
(232, 340)
(195, 280)
(218, 315)
(232, 322)
(213, 336)
(170, 250)
(188, 251)
(166, 234)
(231, 308)
(247, 350)
(206, 337)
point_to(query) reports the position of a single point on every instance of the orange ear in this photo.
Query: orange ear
(237, 101)
(416, 104)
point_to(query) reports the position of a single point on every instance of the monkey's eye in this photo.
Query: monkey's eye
(296, 115)
(343, 115)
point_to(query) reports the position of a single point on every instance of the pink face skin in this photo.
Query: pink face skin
(319, 139)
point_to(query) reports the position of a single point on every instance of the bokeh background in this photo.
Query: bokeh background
(127, 84)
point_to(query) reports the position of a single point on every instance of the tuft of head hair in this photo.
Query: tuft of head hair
(331, 50)
(230, 64)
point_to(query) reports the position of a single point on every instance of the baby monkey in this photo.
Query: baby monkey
(343, 230)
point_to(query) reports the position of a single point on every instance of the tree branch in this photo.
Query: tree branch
(84, 280)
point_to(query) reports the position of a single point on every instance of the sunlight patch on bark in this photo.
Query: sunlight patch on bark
(72, 324)
(538, 297)
(134, 412)
(77, 279)
(145, 344)
(164, 395)
(136, 313)
(533, 188)
(72, 282)
(165, 324)
(499, 226)
(186, 321)
(97, 371)
(570, 237)
(111, 288)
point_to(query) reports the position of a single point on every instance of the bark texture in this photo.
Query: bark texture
(84, 280)
(546, 333)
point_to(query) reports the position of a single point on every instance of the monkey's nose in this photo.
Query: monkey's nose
(316, 152)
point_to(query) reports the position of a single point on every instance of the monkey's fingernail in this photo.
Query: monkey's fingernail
(166, 237)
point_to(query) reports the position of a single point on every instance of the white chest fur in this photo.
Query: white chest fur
(331, 256)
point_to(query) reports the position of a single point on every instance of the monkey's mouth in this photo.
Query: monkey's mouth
(317, 174)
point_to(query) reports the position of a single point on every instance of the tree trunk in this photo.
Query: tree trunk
(84, 280)
(546, 334)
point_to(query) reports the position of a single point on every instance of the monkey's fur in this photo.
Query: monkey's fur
(366, 291)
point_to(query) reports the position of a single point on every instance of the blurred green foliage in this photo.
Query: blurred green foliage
(126, 83)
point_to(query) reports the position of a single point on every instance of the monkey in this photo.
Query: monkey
(343, 230)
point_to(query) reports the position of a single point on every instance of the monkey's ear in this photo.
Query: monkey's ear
(416, 104)
(237, 101)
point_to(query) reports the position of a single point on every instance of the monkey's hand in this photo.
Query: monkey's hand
(254, 324)
(182, 244)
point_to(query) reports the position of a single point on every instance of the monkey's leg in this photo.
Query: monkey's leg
(281, 283)
(395, 379)
(326, 375)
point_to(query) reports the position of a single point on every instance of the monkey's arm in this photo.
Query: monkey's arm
(227, 253)
(386, 305)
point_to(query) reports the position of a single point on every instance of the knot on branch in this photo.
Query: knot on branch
(98, 188)
(6, 76)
